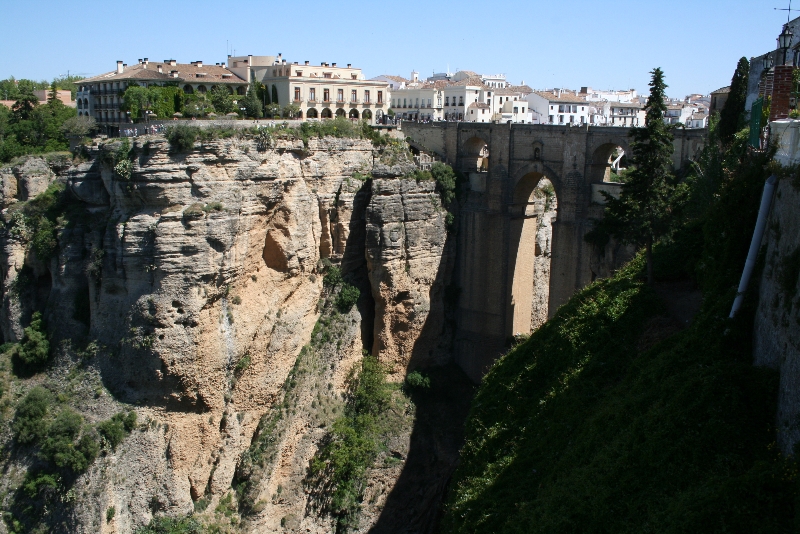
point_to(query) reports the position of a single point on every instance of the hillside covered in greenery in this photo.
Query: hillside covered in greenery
(613, 418)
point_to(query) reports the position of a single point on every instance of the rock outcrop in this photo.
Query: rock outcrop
(199, 275)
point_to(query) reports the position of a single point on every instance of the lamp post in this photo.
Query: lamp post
(785, 41)
(242, 110)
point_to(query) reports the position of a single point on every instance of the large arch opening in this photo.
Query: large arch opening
(476, 155)
(533, 213)
(353, 113)
(188, 89)
(367, 115)
(609, 162)
(340, 113)
(311, 113)
(326, 113)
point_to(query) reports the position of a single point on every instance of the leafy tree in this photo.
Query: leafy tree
(24, 106)
(291, 111)
(197, 105)
(34, 349)
(643, 212)
(347, 296)
(732, 114)
(252, 105)
(275, 95)
(63, 447)
(29, 422)
(78, 126)
(222, 100)
(273, 110)
(263, 93)
(136, 100)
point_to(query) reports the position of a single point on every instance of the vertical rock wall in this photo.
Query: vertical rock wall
(776, 341)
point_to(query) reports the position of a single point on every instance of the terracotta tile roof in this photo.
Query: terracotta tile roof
(721, 90)
(566, 96)
(479, 105)
(699, 116)
(398, 79)
(186, 73)
(625, 105)
(472, 81)
(521, 89)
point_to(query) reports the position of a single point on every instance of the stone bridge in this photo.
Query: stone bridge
(497, 247)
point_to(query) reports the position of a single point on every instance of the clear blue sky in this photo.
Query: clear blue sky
(610, 44)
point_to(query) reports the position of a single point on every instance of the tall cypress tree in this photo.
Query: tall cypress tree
(275, 95)
(731, 118)
(643, 212)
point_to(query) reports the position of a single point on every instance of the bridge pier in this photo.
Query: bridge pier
(504, 164)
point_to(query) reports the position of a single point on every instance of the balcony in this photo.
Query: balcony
(354, 101)
(297, 100)
(312, 102)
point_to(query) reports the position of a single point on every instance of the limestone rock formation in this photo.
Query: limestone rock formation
(200, 277)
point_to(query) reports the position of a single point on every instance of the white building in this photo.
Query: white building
(450, 97)
(697, 120)
(594, 95)
(558, 106)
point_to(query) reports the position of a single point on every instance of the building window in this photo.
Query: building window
(460, 100)
(416, 102)
(296, 94)
(340, 95)
(552, 118)
(429, 102)
(312, 94)
(447, 101)
(561, 119)
(353, 96)
(516, 110)
(380, 97)
(327, 75)
(366, 97)
(326, 95)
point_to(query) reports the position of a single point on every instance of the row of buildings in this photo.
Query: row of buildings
(328, 90)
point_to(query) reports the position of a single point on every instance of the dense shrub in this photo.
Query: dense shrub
(34, 349)
(181, 137)
(64, 448)
(347, 296)
(333, 277)
(170, 525)
(416, 380)
(30, 423)
(115, 429)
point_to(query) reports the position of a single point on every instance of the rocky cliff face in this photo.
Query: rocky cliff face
(198, 276)
(776, 342)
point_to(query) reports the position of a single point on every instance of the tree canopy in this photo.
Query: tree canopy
(643, 212)
(732, 114)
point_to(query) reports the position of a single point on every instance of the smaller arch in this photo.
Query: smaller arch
(326, 113)
(299, 115)
(353, 113)
(340, 112)
(188, 89)
(605, 158)
(80, 104)
(367, 114)
(85, 103)
(241, 91)
(201, 89)
(476, 155)
(311, 113)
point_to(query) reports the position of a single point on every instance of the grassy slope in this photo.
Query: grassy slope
(583, 429)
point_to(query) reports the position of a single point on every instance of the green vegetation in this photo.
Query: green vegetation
(417, 380)
(170, 525)
(731, 118)
(34, 349)
(339, 468)
(30, 127)
(115, 429)
(347, 297)
(65, 445)
(644, 211)
(447, 184)
(181, 138)
(612, 419)
(110, 513)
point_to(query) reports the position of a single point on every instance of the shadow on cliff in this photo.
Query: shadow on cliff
(354, 261)
(414, 504)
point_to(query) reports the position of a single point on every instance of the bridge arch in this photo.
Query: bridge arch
(475, 155)
(533, 212)
(602, 157)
